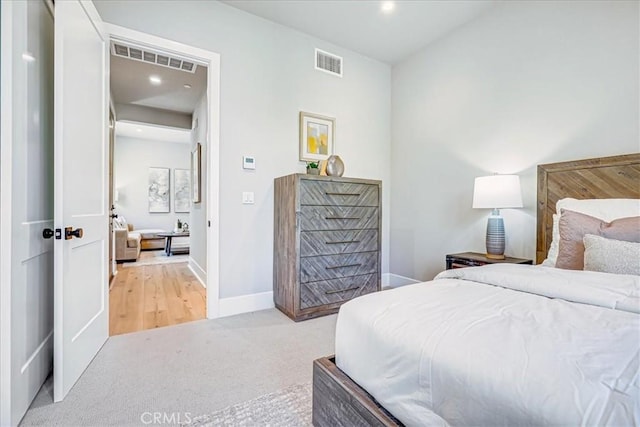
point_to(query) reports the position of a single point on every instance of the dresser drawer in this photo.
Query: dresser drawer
(333, 266)
(337, 290)
(321, 193)
(332, 242)
(314, 218)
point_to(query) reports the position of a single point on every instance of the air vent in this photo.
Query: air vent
(329, 63)
(147, 55)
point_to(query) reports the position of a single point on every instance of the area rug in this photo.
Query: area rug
(289, 407)
(158, 257)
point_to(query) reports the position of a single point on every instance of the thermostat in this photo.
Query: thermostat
(248, 162)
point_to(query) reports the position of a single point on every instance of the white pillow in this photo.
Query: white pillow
(611, 256)
(120, 223)
(552, 255)
(604, 209)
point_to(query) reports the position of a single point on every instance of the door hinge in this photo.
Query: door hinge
(208, 223)
(58, 234)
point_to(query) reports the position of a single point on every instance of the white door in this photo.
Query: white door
(26, 258)
(81, 192)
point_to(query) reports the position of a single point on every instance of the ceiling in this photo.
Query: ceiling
(151, 132)
(130, 85)
(361, 26)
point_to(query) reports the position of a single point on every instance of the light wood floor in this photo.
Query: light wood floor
(153, 296)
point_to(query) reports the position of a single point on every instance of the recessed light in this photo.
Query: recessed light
(27, 56)
(387, 6)
(155, 80)
(138, 130)
(186, 86)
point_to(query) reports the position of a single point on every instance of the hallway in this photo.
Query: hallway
(153, 296)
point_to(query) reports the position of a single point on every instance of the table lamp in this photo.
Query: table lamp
(496, 192)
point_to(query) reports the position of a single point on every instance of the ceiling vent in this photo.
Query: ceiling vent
(141, 54)
(329, 63)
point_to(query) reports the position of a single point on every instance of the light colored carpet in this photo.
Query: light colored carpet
(196, 368)
(288, 407)
(156, 257)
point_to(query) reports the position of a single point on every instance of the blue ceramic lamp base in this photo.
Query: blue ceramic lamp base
(495, 236)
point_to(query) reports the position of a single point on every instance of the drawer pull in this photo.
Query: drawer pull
(342, 217)
(341, 242)
(355, 288)
(342, 194)
(333, 267)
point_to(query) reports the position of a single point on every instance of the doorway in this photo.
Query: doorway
(161, 184)
(73, 132)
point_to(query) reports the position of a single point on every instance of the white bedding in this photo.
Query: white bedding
(468, 353)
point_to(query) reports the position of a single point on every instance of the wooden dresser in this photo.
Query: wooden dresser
(326, 243)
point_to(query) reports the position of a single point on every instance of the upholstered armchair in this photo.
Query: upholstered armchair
(127, 242)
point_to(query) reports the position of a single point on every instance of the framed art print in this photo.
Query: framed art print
(317, 135)
(181, 190)
(195, 173)
(158, 190)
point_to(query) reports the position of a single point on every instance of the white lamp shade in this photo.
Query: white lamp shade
(497, 192)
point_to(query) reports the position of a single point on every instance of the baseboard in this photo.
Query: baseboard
(246, 303)
(113, 279)
(198, 272)
(264, 300)
(390, 280)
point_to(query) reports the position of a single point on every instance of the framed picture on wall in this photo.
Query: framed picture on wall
(159, 188)
(317, 135)
(195, 173)
(181, 190)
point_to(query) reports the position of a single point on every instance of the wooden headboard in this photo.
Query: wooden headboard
(616, 177)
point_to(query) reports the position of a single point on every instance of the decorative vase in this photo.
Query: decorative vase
(335, 166)
(313, 171)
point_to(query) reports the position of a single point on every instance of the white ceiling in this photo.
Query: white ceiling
(130, 85)
(361, 26)
(152, 133)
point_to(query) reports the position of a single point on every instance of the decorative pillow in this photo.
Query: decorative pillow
(604, 209)
(611, 256)
(120, 223)
(116, 224)
(574, 226)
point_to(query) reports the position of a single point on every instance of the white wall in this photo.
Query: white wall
(526, 83)
(132, 159)
(267, 78)
(155, 116)
(198, 217)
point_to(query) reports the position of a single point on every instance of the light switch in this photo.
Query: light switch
(247, 197)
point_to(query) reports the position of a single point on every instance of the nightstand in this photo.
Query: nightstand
(474, 259)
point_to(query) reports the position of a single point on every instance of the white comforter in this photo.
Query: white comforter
(527, 346)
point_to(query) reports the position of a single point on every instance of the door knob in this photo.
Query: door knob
(70, 233)
(48, 233)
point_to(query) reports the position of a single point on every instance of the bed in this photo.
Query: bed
(496, 345)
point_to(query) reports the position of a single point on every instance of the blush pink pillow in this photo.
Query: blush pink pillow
(573, 227)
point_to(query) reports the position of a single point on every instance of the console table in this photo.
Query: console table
(168, 237)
